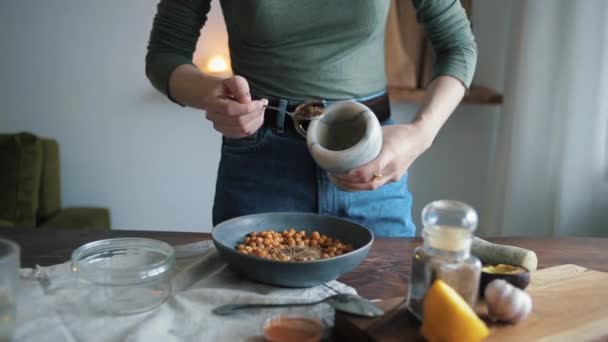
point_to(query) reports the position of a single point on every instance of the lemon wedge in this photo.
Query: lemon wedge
(447, 317)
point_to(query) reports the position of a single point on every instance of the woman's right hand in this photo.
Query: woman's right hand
(234, 119)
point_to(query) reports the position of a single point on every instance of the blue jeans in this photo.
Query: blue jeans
(271, 171)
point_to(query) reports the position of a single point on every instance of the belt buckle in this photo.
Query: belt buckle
(305, 112)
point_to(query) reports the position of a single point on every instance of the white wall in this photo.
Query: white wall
(74, 70)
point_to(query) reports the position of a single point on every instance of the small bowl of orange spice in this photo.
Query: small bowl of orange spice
(293, 328)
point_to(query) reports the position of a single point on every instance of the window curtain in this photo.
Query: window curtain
(550, 175)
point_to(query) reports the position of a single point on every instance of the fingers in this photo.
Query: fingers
(365, 173)
(236, 127)
(236, 120)
(235, 115)
(371, 176)
(238, 87)
(343, 181)
(233, 108)
(226, 120)
(373, 185)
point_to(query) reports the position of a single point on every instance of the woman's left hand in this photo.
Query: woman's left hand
(402, 144)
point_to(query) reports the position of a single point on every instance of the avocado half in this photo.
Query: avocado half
(515, 275)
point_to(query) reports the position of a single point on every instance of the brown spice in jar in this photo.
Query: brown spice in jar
(311, 111)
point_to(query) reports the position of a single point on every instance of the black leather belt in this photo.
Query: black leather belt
(380, 105)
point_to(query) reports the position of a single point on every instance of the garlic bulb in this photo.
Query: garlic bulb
(506, 302)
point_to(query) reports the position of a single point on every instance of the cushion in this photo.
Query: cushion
(21, 160)
(50, 191)
(82, 218)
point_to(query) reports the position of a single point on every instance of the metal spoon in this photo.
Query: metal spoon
(296, 114)
(343, 302)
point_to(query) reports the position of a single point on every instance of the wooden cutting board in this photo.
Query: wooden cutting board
(570, 303)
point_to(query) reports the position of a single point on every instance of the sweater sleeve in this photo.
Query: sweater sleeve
(173, 38)
(449, 31)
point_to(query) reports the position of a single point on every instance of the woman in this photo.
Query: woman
(286, 52)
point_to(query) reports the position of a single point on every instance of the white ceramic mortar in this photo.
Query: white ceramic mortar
(346, 137)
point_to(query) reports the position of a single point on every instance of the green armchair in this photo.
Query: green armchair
(30, 191)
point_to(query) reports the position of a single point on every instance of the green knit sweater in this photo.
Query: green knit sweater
(331, 49)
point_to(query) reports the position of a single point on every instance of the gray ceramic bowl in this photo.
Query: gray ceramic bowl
(228, 234)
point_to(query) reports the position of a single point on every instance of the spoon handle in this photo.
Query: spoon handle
(229, 309)
(224, 97)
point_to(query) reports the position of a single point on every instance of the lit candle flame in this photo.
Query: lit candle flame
(217, 64)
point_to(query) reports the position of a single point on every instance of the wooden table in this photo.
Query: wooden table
(383, 275)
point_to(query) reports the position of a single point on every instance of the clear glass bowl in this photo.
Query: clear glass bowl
(125, 275)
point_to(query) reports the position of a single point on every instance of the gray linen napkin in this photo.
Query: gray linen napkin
(52, 307)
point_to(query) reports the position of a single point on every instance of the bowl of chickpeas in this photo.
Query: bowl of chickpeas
(292, 249)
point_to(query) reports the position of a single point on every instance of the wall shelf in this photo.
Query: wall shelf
(477, 95)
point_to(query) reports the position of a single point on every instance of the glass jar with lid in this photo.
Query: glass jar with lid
(445, 253)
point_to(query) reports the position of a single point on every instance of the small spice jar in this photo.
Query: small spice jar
(445, 253)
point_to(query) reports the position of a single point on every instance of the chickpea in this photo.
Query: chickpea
(268, 244)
